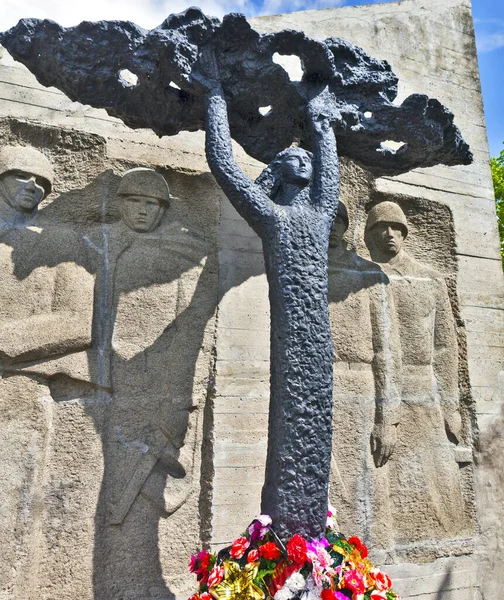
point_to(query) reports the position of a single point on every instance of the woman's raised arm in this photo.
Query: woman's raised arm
(325, 181)
(250, 200)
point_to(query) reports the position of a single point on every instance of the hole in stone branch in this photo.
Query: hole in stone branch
(391, 145)
(368, 114)
(290, 63)
(264, 110)
(174, 85)
(127, 78)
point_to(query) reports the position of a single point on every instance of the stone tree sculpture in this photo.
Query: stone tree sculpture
(195, 72)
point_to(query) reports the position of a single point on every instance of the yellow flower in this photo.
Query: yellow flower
(238, 584)
(341, 551)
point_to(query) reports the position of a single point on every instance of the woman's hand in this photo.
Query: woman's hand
(322, 111)
(206, 70)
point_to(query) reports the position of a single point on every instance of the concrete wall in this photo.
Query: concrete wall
(430, 46)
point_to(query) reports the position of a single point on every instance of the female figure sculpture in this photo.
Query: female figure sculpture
(291, 207)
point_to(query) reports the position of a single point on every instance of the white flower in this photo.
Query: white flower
(284, 594)
(296, 582)
(313, 590)
(331, 522)
(265, 520)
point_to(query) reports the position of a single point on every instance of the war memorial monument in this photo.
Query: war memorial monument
(249, 268)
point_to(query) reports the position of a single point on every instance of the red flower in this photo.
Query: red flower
(202, 577)
(269, 551)
(195, 597)
(356, 543)
(200, 564)
(253, 555)
(327, 594)
(381, 580)
(204, 558)
(378, 595)
(216, 576)
(296, 549)
(205, 596)
(238, 548)
(354, 581)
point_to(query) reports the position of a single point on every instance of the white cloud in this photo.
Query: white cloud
(146, 13)
(274, 7)
(490, 41)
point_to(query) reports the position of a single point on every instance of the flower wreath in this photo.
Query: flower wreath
(257, 566)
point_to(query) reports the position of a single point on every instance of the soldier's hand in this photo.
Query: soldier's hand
(383, 441)
(453, 424)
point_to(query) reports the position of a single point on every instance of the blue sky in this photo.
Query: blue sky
(489, 25)
(488, 16)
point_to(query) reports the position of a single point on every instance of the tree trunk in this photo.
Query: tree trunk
(295, 244)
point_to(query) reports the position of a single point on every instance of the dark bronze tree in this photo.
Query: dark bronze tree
(194, 72)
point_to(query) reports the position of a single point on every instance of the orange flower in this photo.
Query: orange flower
(356, 543)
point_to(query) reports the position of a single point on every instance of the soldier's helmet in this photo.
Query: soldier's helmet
(144, 182)
(28, 160)
(388, 212)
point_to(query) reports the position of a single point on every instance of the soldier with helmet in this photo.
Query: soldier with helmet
(155, 314)
(47, 299)
(424, 475)
(45, 330)
(26, 178)
(145, 197)
(366, 393)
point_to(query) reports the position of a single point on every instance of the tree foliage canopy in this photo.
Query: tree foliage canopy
(497, 166)
(93, 64)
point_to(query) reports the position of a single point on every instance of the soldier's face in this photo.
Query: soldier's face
(23, 191)
(141, 213)
(297, 168)
(337, 232)
(388, 237)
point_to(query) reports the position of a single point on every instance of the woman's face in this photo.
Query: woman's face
(296, 168)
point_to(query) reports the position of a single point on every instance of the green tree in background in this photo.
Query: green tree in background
(497, 166)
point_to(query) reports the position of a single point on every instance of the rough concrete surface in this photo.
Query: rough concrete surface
(86, 423)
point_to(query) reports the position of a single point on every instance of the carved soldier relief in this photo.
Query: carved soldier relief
(424, 475)
(157, 313)
(366, 387)
(46, 302)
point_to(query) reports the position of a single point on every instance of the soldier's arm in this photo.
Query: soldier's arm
(67, 328)
(386, 370)
(445, 360)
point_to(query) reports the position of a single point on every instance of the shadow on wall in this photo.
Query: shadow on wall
(135, 496)
(118, 460)
(446, 585)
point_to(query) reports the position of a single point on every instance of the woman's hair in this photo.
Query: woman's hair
(271, 178)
